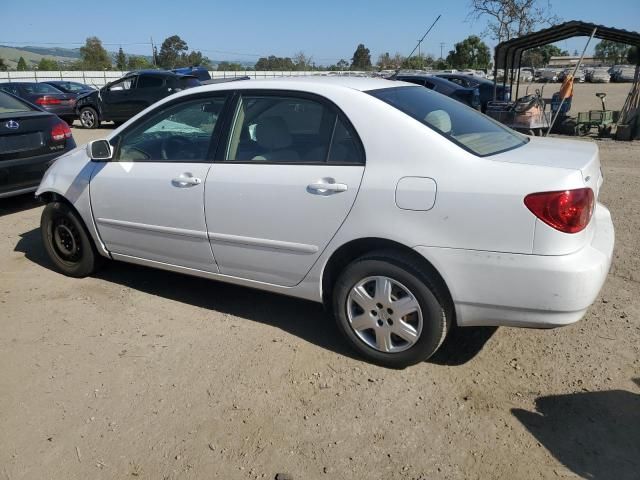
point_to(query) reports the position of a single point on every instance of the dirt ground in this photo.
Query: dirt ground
(584, 94)
(139, 373)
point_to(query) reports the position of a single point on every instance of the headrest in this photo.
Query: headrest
(272, 133)
(439, 119)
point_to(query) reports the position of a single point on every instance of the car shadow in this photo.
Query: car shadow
(594, 434)
(304, 319)
(18, 203)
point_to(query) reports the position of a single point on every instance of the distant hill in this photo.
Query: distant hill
(64, 56)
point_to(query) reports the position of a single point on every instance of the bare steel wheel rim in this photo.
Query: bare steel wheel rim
(384, 314)
(87, 118)
(66, 240)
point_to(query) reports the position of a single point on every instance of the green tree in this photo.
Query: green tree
(229, 67)
(22, 65)
(302, 62)
(172, 52)
(48, 65)
(361, 59)
(3, 66)
(121, 60)
(611, 52)
(93, 56)
(632, 56)
(135, 62)
(470, 53)
(540, 56)
(273, 63)
(417, 62)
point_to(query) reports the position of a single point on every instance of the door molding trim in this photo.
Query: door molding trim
(182, 232)
(264, 243)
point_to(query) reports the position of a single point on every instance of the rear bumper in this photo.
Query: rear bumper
(66, 111)
(24, 175)
(490, 288)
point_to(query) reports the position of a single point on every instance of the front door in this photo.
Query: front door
(116, 99)
(148, 201)
(289, 176)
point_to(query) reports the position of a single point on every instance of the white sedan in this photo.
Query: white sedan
(402, 210)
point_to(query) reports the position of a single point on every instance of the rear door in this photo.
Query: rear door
(282, 187)
(148, 202)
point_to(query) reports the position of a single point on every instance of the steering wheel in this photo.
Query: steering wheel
(176, 147)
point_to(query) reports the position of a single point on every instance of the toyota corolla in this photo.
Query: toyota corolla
(403, 211)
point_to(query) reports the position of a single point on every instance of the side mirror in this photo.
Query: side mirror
(99, 151)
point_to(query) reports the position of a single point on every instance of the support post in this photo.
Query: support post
(573, 75)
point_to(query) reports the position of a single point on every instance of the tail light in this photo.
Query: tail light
(60, 131)
(568, 211)
(47, 100)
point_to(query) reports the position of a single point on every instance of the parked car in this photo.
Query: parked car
(400, 209)
(201, 73)
(484, 86)
(30, 140)
(44, 95)
(122, 99)
(75, 88)
(467, 95)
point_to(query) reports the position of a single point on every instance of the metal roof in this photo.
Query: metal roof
(508, 53)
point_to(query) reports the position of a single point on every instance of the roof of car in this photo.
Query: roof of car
(355, 83)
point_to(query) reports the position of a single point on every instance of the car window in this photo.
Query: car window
(121, 85)
(462, 125)
(279, 129)
(9, 104)
(457, 81)
(188, 82)
(180, 133)
(10, 88)
(148, 81)
(417, 81)
(39, 88)
(429, 85)
(75, 87)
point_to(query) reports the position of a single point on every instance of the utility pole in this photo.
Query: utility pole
(442, 44)
(153, 53)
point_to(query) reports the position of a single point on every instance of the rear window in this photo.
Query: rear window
(8, 104)
(40, 88)
(464, 126)
(188, 82)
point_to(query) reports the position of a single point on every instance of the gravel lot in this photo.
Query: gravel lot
(148, 374)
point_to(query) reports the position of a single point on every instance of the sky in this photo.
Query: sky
(326, 30)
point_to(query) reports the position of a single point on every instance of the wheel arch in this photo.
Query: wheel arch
(354, 249)
(49, 196)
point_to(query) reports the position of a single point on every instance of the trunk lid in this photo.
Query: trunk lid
(578, 155)
(31, 136)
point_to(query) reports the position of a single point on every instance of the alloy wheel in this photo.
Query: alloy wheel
(384, 314)
(87, 118)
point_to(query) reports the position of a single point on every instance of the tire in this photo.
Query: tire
(67, 241)
(89, 118)
(69, 120)
(381, 335)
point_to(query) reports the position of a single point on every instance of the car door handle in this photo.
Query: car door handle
(326, 186)
(186, 180)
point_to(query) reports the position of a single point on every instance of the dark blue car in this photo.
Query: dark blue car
(468, 95)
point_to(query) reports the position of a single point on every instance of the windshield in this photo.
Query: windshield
(462, 125)
(8, 104)
(76, 87)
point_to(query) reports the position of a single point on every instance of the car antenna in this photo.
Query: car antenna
(421, 40)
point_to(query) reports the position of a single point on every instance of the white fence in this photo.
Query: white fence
(100, 78)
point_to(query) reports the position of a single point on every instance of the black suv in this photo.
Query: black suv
(120, 100)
